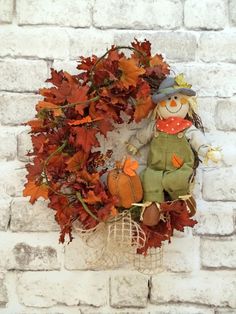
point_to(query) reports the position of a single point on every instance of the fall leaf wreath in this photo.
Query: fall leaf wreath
(64, 167)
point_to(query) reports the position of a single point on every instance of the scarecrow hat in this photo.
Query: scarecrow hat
(171, 86)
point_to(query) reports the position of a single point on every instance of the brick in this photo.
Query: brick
(22, 75)
(218, 253)
(169, 44)
(12, 178)
(24, 145)
(128, 290)
(232, 11)
(17, 108)
(205, 14)
(6, 11)
(70, 288)
(223, 188)
(88, 42)
(205, 78)
(21, 252)
(217, 46)
(226, 115)
(3, 290)
(206, 110)
(224, 311)
(8, 143)
(86, 255)
(68, 66)
(34, 42)
(138, 14)
(195, 288)
(27, 217)
(63, 12)
(181, 309)
(212, 220)
(181, 255)
(4, 212)
(227, 142)
(112, 311)
(60, 309)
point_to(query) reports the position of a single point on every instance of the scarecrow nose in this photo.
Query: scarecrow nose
(173, 103)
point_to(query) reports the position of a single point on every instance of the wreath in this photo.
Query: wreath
(65, 168)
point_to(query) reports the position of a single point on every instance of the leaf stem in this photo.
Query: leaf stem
(44, 171)
(107, 52)
(79, 196)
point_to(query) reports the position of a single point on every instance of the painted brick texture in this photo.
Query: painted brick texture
(40, 276)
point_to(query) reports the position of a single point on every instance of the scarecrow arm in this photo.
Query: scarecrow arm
(198, 141)
(141, 138)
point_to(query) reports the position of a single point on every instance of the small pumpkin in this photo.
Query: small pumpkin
(126, 187)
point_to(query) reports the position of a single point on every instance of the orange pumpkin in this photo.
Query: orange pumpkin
(128, 189)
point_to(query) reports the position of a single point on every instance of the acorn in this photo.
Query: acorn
(151, 215)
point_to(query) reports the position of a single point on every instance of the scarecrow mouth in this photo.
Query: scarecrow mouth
(174, 111)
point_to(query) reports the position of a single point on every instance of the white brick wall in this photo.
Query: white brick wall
(39, 276)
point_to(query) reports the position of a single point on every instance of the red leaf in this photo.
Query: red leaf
(85, 138)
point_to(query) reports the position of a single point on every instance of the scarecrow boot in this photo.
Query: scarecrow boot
(151, 214)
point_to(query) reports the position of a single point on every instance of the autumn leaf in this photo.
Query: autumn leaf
(92, 198)
(114, 211)
(104, 126)
(56, 77)
(84, 120)
(144, 47)
(78, 94)
(142, 108)
(35, 191)
(36, 125)
(130, 72)
(86, 138)
(130, 166)
(76, 161)
(49, 106)
(177, 161)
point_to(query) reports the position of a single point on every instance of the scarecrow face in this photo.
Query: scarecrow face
(174, 106)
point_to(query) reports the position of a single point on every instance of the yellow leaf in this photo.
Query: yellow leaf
(181, 82)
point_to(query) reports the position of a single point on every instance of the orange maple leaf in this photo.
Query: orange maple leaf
(130, 72)
(92, 198)
(48, 105)
(130, 167)
(35, 191)
(142, 108)
(36, 125)
(177, 161)
(84, 120)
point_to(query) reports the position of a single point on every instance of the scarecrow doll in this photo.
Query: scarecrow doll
(176, 138)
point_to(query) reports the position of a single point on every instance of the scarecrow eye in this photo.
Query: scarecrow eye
(176, 97)
(169, 98)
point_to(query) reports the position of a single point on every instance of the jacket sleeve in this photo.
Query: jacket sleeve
(197, 140)
(143, 136)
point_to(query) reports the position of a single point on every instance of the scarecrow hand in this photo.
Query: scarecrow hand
(214, 154)
(131, 149)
